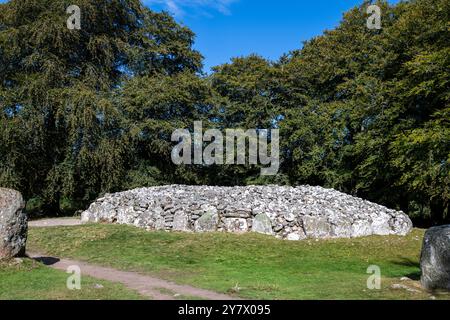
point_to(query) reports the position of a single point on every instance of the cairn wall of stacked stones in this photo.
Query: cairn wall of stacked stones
(284, 212)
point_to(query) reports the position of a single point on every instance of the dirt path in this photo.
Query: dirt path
(56, 222)
(155, 288)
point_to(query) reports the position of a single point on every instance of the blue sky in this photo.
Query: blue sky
(229, 28)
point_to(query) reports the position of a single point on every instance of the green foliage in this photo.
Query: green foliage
(35, 206)
(246, 87)
(66, 134)
(143, 176)
(375, 118)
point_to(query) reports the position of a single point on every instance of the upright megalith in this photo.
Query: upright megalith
(435, 259)
(13, 224)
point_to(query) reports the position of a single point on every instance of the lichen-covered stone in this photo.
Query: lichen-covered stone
(285, 212)
(317, 227)
(208, 222)
(435, 259)
(13, 224)
(262, 224)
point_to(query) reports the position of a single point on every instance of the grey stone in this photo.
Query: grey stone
(400, 224)
(181, 222)
(236, 225)
(296, 236)
(13, 224)
(289, 212)
(289, 217)
(435, 259)
(207, 222)
(262, 224)
(159, 223)
(361, 228)
(341, 227)
(380, 224)
(317, 227)
(398, 286)
(278, 228)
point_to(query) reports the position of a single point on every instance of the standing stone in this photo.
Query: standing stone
(13, 224)
(262, 224)
(435, 259)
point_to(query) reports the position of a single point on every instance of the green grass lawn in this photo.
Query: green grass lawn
(250, 265)
(31, 280)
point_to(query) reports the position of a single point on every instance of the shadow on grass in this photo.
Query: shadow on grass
(406, 262)
(48, 261)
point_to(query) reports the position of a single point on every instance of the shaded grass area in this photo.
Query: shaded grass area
(249, 265)
(30, 280)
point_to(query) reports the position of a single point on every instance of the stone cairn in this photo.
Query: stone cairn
(284, 212)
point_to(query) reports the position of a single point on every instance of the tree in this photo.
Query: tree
(367, 108)
(63, 137)
(245, 92)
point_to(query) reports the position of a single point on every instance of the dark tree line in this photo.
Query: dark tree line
(90, 111)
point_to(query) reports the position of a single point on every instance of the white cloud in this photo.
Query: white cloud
(179, 7)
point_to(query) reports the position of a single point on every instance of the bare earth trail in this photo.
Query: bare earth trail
(56, 222)
(152, 287)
